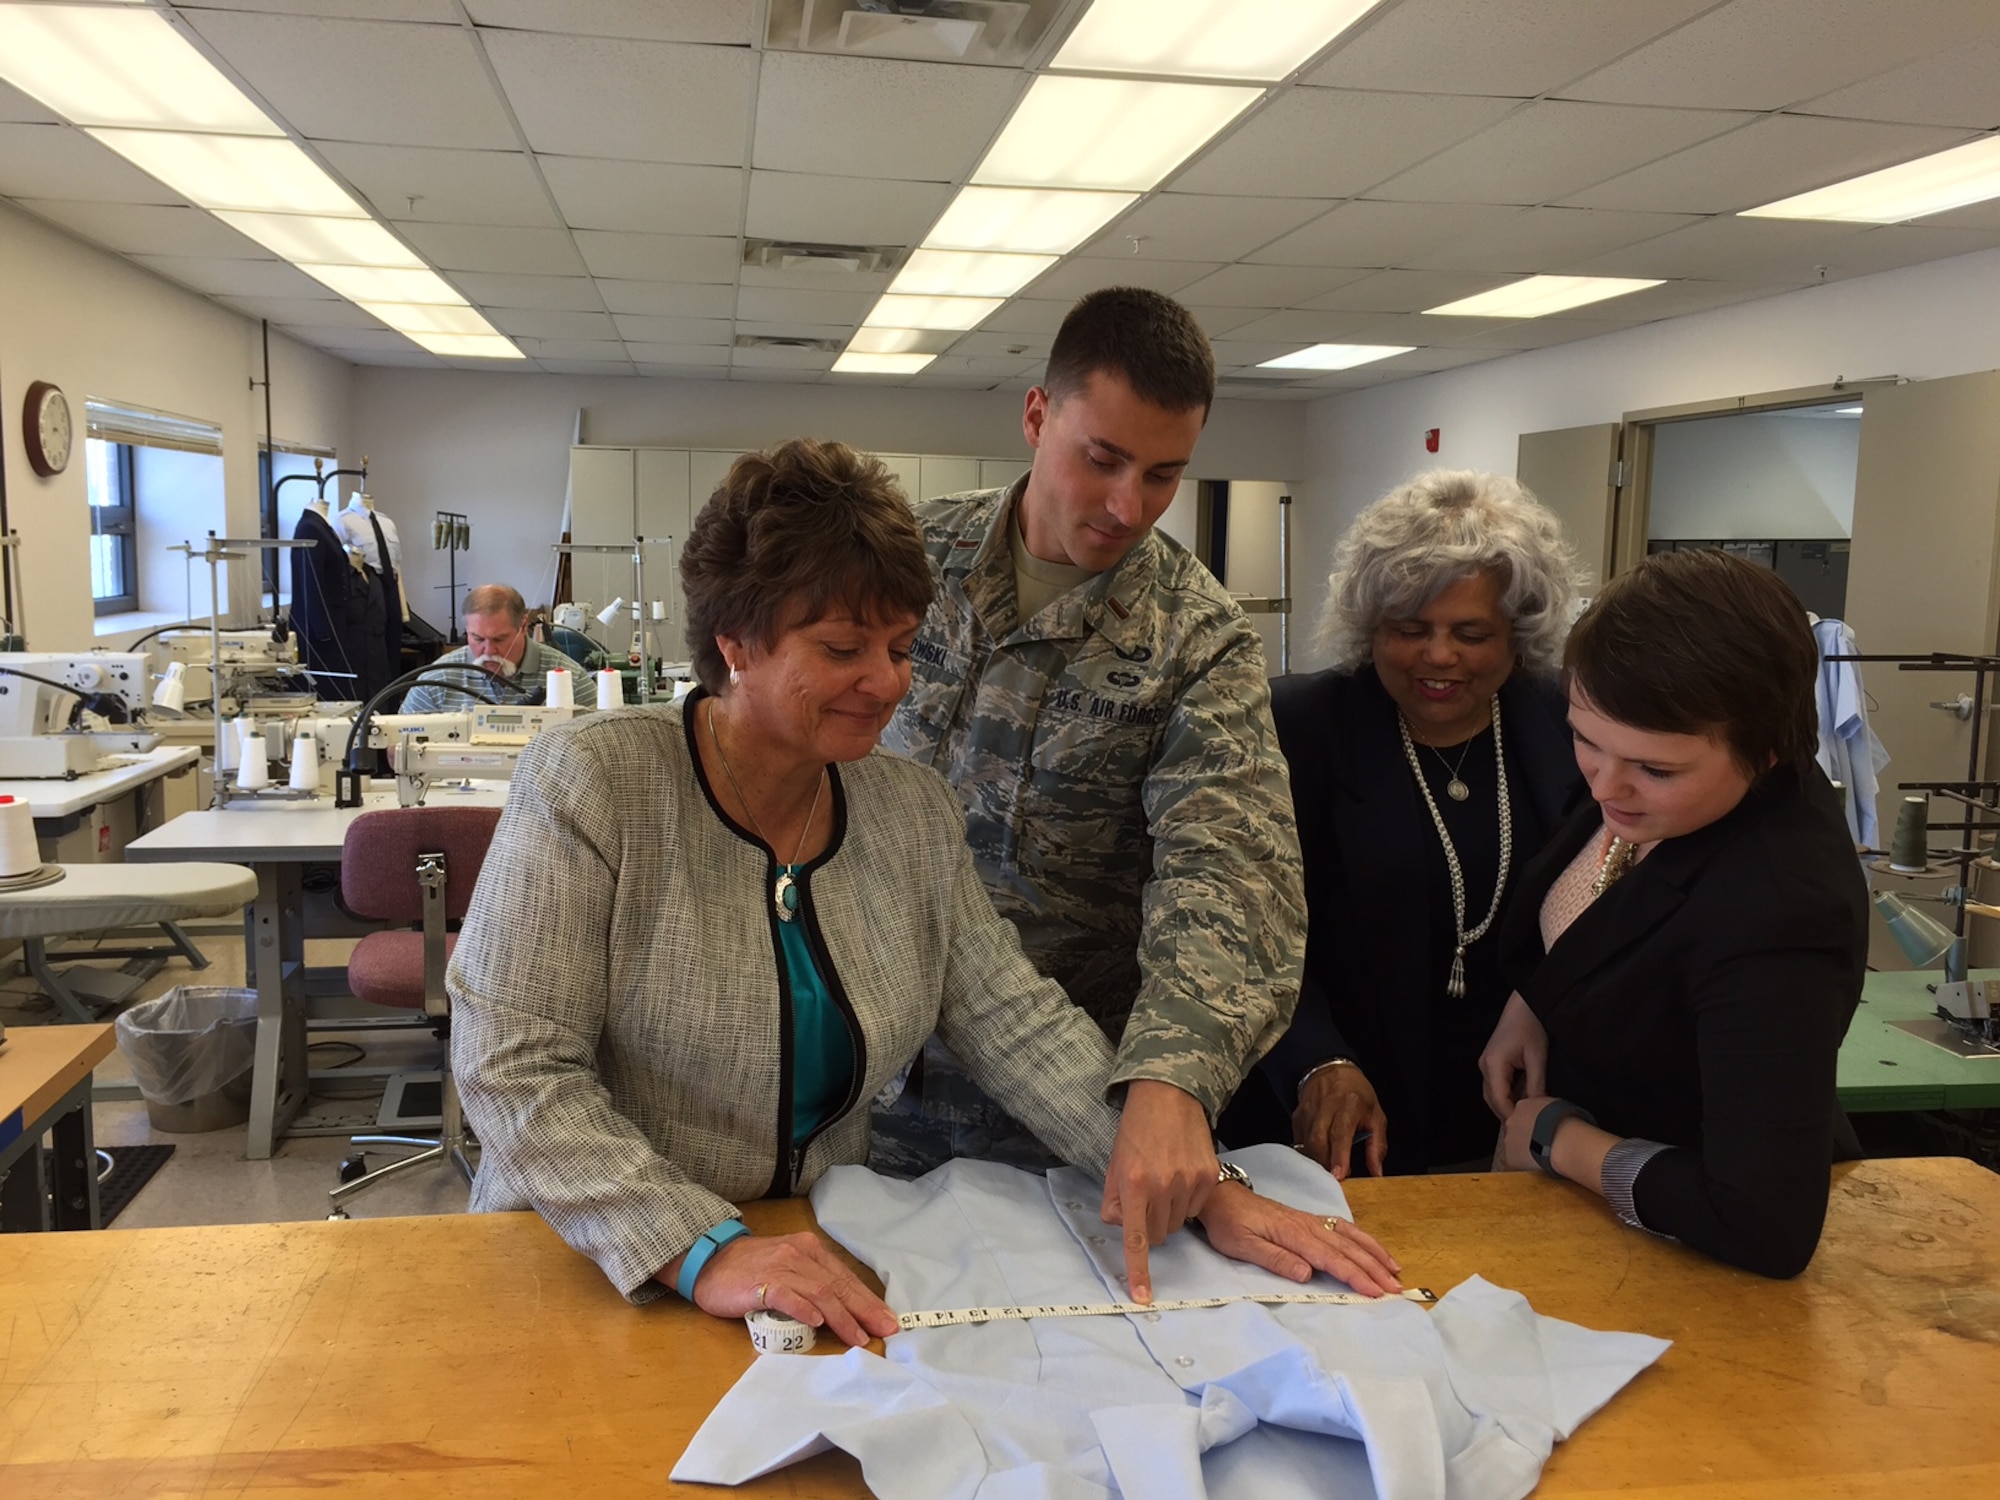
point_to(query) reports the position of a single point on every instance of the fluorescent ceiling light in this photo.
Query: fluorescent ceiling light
(1929, 185)
(1847, 411)
(1024, 221)
(1538, 296)
(968, 273)
(852, 363)
(303, 238)
(956, 313)
(1114, 133)
(120, 67)
(901, 340)
(364, 284)
(468, 345)
(234, 171)
(427, 317)
(1335, 356)
(1252, 39)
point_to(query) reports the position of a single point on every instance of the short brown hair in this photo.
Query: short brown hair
(1148, 340)
(1700, 642)
(790, 533)
(496, 599)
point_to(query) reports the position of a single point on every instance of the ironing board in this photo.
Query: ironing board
(105, 898)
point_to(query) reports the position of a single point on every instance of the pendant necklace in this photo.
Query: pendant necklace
(1456, 789)
(785, 891)
(1455, 983)
(1619, 855)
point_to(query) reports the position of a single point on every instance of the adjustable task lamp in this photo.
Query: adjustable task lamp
(171, 694)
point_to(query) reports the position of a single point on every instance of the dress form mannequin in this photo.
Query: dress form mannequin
(374, 535)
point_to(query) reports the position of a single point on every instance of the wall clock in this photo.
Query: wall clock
(45, 427)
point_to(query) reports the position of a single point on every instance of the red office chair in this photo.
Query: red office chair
(415, 865)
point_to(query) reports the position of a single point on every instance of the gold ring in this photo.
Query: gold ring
(1332, 1224)
(762, 1287)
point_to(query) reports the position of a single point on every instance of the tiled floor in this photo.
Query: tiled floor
(207, 1180)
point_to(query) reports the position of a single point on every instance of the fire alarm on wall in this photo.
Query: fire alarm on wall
(1430, 440)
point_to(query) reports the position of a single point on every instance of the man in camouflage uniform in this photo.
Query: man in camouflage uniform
(1102, 708)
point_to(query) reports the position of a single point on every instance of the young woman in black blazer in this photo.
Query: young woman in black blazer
(1689, 948)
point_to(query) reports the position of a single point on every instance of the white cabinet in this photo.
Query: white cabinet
(706, 469)
(946, 476)
(997, 473)
(908, 471)
(600, 494)
(660, 483)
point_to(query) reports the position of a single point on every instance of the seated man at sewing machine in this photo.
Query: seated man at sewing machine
(496, 638)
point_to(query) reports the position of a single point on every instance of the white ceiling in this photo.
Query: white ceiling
(586, 172)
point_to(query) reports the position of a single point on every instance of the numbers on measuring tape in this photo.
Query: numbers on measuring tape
(957, 1317)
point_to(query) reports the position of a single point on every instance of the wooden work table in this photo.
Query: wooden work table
(477, 1356)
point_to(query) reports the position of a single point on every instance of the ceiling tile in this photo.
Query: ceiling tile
(147, 228)
(1730, 249)
(482, 247)
(316, 316)
(1891, 246)
(1244, 285)
(545, 323)
(1424, 361)
(1077, 274)
(397, 84)
(992, 344)
(1028, 315)
(55, 161)
(1456, 46)
(1974, 216)
(1767, 54)
(378, 341)
(1295, 327)
(815, 279)
(450, 187)
(794, 329)
(1184, 226)
(842, 210)
(1221, 320)
(670, 299)
(1548, 239)
(681, 356)
(764, 305)
(723, 22)
(444, 12)
(1422, 331)
(17, 108)
(782, 359)
(646, 197)
(1672, 299)
(1240, 354)
(658, 257)
(1953, 87)
(637, 328)
(558, 348)
(1543, 333)
(826, 114)
(983, 368)
(634, 101)
(1328, 143)
(557, 293)
(1403, 291)
(586, 366)
(1369, 232)
(244, 278)
(1552, 149)
(1772, 158)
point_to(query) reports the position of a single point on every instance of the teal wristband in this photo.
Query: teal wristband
(702, 1249)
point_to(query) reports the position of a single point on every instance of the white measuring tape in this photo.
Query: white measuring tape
(773, 1333)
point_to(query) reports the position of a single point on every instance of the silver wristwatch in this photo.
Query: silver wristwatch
(1228, 1171)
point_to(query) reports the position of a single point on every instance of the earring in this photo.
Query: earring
(734, 676)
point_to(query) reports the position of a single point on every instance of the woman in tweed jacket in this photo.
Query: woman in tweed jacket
(706, 934)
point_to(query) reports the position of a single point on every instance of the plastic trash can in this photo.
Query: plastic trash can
(191, 1052)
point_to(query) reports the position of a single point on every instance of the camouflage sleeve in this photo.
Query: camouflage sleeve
(1223, 942)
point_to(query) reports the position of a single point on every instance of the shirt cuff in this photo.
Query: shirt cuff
(1622, 1165)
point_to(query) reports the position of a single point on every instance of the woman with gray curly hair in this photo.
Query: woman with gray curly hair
(1428, 765)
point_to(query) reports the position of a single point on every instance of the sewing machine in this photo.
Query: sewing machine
(479, 744)
(256, 674)
(48, 702)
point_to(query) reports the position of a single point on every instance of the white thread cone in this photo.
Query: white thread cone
(305, 764)
(610, 689)
(19, 853)
(562, 692)
(255, 772)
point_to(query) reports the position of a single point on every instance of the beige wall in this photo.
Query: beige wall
(97, 325)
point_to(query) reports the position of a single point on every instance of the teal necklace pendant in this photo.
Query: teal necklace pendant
(785, 895)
